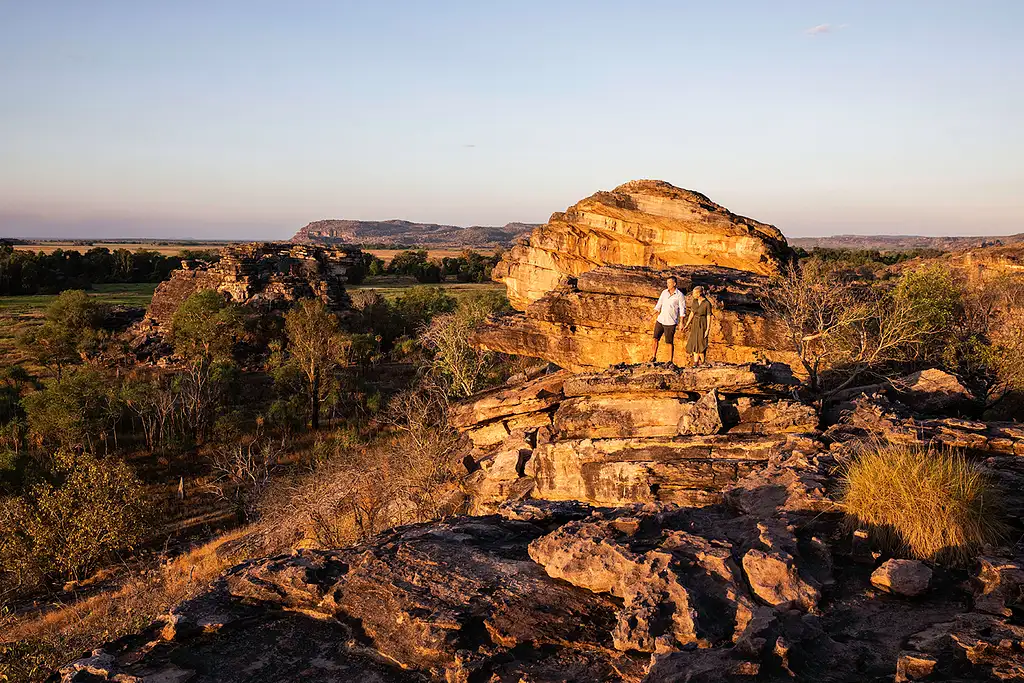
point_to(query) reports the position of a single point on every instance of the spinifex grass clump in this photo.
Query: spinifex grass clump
(929, 503)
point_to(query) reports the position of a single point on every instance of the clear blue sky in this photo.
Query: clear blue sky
(249, 119)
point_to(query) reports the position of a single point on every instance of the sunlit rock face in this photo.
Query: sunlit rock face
(647, 223)
(640, 434)
(587, 281)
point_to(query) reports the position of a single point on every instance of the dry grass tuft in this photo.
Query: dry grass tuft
(928, 503)
(33, 646)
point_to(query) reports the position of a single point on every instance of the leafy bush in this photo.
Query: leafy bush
(69, 334)
(931, 504)
(84, 511)
(74, 410)
(459, 366)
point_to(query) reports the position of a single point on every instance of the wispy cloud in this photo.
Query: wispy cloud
(824, 28)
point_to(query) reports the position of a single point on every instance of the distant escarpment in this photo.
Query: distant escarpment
(407, 233)
(587, 281)
(907, 242)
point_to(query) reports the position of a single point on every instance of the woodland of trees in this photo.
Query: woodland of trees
(29, 272)
(469, 266)
(262, 405)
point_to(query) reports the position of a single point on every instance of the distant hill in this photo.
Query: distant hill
(400, 232)
(904, 242)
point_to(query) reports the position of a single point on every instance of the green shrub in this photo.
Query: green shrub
(85, 510)
(74, 410)
(928, 503)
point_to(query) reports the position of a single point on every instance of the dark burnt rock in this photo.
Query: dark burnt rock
(562, 591)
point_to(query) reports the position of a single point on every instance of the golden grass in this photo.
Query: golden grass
(932, 504)
(33, 646)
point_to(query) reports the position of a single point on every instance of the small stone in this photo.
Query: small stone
(902, 577)
(702, 417)
(774, 578)
(914, 666)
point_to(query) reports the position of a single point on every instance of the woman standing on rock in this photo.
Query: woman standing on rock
(700, 330)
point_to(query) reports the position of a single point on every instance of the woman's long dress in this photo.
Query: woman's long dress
(697, 339)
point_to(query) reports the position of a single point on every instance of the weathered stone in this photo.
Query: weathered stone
(618, 330)
(533, 396)
(932, 391)
(773, 576)
(641, 223)
(726, 379)
(998, 586)
(587, 280)
(903, 577)
(702, 417)
(492, 433)
(976, 646)
(914, 667)
(603, 417)
(878, 417)
(262, 274)
(499, 479)
(620, 471)
(585, 555)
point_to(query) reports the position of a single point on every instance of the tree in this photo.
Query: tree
(69, 333)
(204, 331)
(85, 510)
(840, 328)
(74, 411)
(461, 367)
(407, 262)
(317, 346)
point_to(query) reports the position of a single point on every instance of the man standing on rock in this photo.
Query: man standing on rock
(671, 308)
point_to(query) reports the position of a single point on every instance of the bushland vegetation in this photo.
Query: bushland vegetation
(301, 428)
(469, 266)
(28, 272)
(850, 330)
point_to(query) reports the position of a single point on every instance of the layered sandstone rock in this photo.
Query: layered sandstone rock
(631, 434)
(261, 274)
(646, 223)
(587, 281)
(605, 317)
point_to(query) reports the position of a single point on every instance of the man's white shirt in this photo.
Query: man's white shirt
(670, 307)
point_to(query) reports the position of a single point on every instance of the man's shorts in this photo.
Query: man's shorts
(668, 330)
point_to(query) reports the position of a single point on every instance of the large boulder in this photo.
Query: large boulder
(647, 223)
(587, 281)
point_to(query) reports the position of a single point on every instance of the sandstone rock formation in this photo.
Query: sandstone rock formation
(558, 591)
(261, 274)
(587, 281)
(646, 223)
(631, 435)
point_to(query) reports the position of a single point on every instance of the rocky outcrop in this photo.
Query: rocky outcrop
(605, 317)
(587, 281)
(262, 274)
(633, 434)
(556, 591)
(647, 223)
